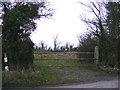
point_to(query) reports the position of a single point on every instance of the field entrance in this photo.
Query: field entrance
(64, 59)
(53, 68)
(68, 67)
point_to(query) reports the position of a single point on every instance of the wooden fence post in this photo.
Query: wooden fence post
(96, 55)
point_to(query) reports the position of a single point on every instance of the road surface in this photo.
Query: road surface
(100, 84)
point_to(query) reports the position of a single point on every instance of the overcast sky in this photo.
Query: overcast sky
(66, 23)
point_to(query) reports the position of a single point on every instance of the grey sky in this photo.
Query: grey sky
(66, 23)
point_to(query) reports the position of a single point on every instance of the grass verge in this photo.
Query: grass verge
(55, 72)
(34, 78)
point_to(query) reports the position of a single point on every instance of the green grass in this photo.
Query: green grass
(42, 75)
(47, 63)
(39, 77)
(66, 68)
(76, 63)
(51, 72)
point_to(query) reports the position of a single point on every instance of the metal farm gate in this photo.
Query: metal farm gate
(85, 57)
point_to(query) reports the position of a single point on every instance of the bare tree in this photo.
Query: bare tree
(56, 42)
(42, 45)
(71, 47)
(98, 22)
(96, 25)
(67, 46)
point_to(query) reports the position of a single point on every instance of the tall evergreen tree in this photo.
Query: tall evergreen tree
(18, 23)
(113, 23)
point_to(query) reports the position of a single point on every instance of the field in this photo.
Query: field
(50, 69)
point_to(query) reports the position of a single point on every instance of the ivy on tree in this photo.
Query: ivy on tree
(18, 23)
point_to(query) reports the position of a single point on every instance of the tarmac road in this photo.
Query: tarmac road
(100, 84)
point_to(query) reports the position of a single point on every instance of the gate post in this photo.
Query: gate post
(0, 48)
(96, 55)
